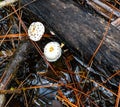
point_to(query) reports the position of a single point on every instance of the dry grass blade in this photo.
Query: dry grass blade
(13, 35)
(13, 94)
(65, 101)
(29, 88)
(19, 35)
(63, 98)
(5, 36)
(17, 10)
(117, 73)
(117, 2)
(118, 97)
(25, 97)
(101, 42)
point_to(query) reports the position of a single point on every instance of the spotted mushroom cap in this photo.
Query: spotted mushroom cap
(52, 51)
(35, 31)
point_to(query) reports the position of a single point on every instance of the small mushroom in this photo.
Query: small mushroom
(52, 51)
(35, 31)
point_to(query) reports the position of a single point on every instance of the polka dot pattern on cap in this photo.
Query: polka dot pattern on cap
(36, 31)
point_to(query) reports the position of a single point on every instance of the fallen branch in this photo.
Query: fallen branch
(12, 67)
(104, 7)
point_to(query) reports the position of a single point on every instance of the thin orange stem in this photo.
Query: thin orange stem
(31, 87)
(13, 35)
(66, 101)
(118, 98)
(101, 42)
(117, 72)
(22, 34)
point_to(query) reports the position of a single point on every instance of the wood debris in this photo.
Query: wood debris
(6, 2)
(106, 9)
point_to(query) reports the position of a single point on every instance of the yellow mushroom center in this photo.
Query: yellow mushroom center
(33, 29)
(51, 49)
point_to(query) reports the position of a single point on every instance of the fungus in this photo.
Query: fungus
(35, 31)
(52, 51)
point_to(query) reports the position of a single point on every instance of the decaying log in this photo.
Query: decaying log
(12, 67)
(16, 60)
(81, 31)
(105, 9)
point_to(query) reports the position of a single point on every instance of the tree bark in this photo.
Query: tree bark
(13, 65)
(82, 31)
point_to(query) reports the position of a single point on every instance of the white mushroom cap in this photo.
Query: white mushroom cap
(52, 51)
(35, 31)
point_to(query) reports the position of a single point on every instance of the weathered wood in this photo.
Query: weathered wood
(81, 31)
(13, 65)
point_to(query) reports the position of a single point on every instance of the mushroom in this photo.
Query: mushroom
(35, 31)
(52, 51)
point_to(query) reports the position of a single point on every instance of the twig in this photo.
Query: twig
(117, 2)
(105, 9)
(5, 35)
(118, 97)
(17, 10)
(65, 101)
(10, 91)
(25, 97)
(103, 6)
(13, 35)
(63, 98)
(116, 23)
(31, 87)
(110, 77)
(101, 42)
(21, 84)
(22, 35)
